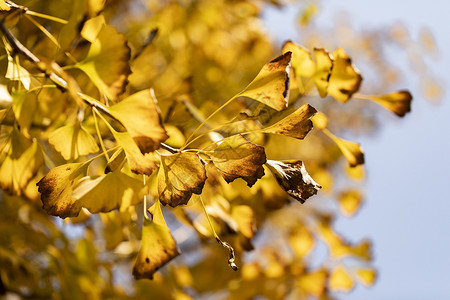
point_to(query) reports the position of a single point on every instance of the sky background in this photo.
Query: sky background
(407, 209)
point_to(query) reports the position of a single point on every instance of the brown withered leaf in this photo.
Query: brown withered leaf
(56, 188)
(271, 85)
(157, 246)
(179, 176)
(236, 157)
(324, 65)
(398, 102)
(139, 113)
(345, 80)
(294, 179)
(296, 125)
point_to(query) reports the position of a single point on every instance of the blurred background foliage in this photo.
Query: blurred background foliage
(196, 55)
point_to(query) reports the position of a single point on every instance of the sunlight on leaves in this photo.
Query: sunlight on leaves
(271, 85)
(353, 152)
(180, 175)
(340, 280)
(350, 202)
(302, 63)
(366, 276)
(296, 125)
(313, 283)
(16, 72)
(324, 66)
(5, 97)
(345, 79)
(294, 179)
(24, 107)
(139, 113)
(236, 157)
(398, 102)
(73, 141)
(301, 241)
(157, 247)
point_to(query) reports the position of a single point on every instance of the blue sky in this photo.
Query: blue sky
(407, 213)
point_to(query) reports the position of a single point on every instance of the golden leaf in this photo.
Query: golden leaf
(139, 114)
(353, 152)
(23, 159)
(115, 161)
(324, 66)
(301, 241)
(4, 6)
(5, 97)
(179, 176)
(157, 247)
(107, 62)
(366, 276)
(345, 80)
(236, 157)
(72, 141)
(271, 85)
(350, 202)
(398, 102)
(105, 193)
(302, 63)
(24, 107)
(313, 283)
(320, 121)
(92, 28)
(294, 179)
(243, 215)
(16, 72)
(296, 125)
(340, 280)
(57, 186)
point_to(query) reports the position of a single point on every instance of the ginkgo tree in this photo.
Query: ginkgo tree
(174, 128)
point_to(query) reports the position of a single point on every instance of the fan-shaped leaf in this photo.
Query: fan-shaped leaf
(366, 276)
(302, 63)
(345, 78)
(296, 125)
(350, 202)
(157, 247)
(313, 283)
(353, 152)
(398, 102)
(73, 141)
(236, 157)
(139, 114)
(324, 66)
(271, 85)
(340, 280)
(294, 179)
(179, 176)
(24, 107)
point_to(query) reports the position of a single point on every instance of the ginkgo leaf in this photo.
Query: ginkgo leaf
(366, 276)
(245, 219)
(345, 79)
(103, 194)
(92, 28)
(73, 141)
(236, 157)
(157, 246)
(139, 114)
(15, 72)
(116, 161)
(24, 158)
(24, 107)
(5, 97)
(398, 102)
(271, 85)
(57, 186)
(349, 202)
(179, 176)
(294, 179)
(4, 6)
(301, 241)
(313, 283)
(320, 121)
(139, 163)
(324, 66)
(340, 280)
(107, 62)
(302, 63)
(296, 125)
(352, 151)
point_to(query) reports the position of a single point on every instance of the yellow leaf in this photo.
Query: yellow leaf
(5, 97)
(115, 161)
(324, 66)
(245, 219)
(353, 152)
(302, 63)
(176, 137)
(236, 157)
(107, 62)
(23, 159)
(157, 247)
(105, 193)
(271, 85)
(313, 283)
(92, 28)
(340, 280)
(294, 179)
(320, 121)
(139, 114)
(398, 102)
(345, 80)
(57, 186)
(296, 125)
(95, 6)
(73, 141)
(139, 163)
(24, 107)
(4, 6)
(350, 202)
(366, 276)
(15, 72)
(179, 176)
(356, 173)
(301, 241)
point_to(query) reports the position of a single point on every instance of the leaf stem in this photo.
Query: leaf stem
(97, 129)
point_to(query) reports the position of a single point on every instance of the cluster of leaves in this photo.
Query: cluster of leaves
(87, 139)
